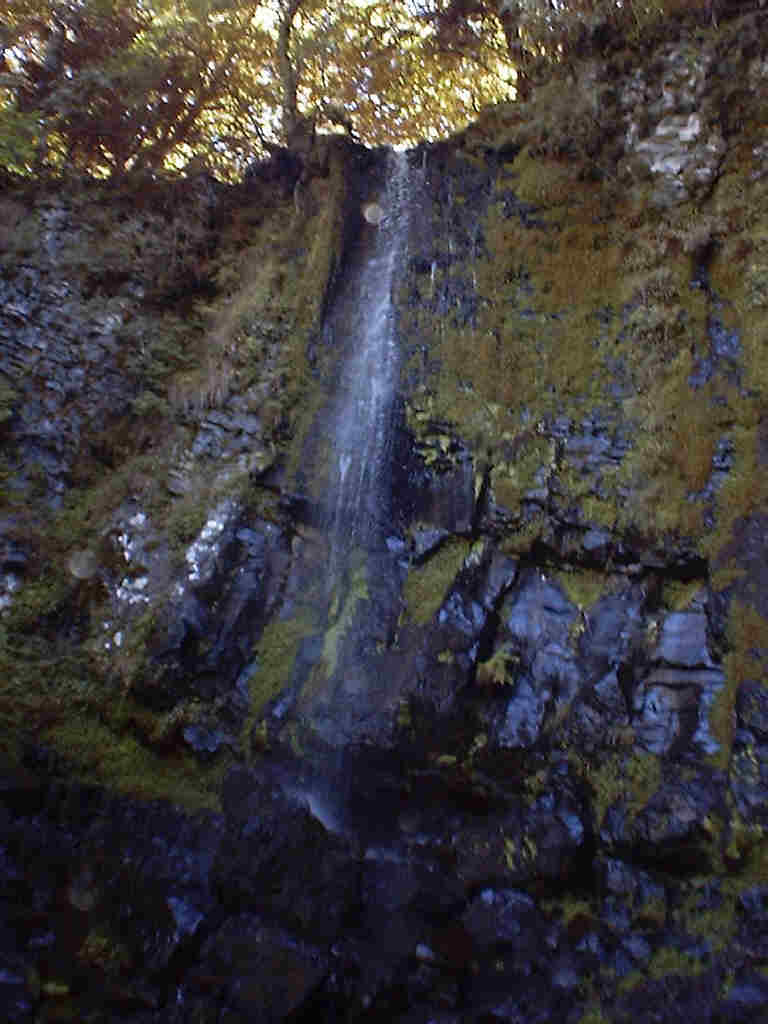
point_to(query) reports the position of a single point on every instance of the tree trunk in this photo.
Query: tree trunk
(288, 74)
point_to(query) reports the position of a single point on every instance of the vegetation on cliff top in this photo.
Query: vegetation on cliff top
(116, 87)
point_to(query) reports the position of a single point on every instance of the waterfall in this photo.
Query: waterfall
(340, 681)
(361, 423)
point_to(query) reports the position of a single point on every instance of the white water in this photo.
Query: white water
(346, 693)
(362, 421)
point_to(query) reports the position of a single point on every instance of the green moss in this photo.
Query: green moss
(497, 670)
(633, 779)
(520, 540)
(510, 853)
(276, 652)
(593, 494)
(630, 981)
(677, 432)
(182, 519)
(670, 961)
(446, 761)
(679, 596)
(535, 345)
(343, 615)
(542, 182)
(584, 587)
(593, 1016)
(104, 951)
(591, 304)
(404, 716)
(37, 600)
(744, 490)
(512, 480)
(66, 695)
(116, 759)
(426, 585)
(722, 713)
(519, 852)
(748, 639)
(652, 914)
(717, 925)
(8, 399)
(127, 662)
(754, 841)
(572, 909)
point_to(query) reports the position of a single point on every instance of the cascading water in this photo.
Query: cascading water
(342, 690)
(361, 438)
(342, 693)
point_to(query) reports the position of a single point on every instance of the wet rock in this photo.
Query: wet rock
(393, 889)
(245, 567)
(683, 640)
(264, 858)
(749, 764)
(747, 550)
(671, 709)
(600, 715)
(537, 613)
(534, 1001)
(669, 998)
(674, 142)
(724, 354)
(597, 543)
(464, 621)
(186, 915)
(672, 701)
(546, 839)
(266, 975)
(746, 998)
(682, 155)
(51, 331)
(533, 652)
(461, 616)
(631, 898)
(614, 627)
(597, 446)
(205, 741)
(753, 920)
(17, 1001)
(443, 495)
(524, 716)
(504, 916)
(425, 540)
(9, 584)
(682, 820)
(159, 882)
(501, 574)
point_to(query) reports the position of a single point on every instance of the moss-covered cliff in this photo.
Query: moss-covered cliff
(519, 740)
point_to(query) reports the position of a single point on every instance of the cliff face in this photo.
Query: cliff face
(504, 759)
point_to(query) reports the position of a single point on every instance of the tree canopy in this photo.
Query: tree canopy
(117, 87)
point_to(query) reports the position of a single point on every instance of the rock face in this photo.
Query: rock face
(509, 764)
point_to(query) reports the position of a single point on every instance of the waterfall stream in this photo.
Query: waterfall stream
(361, 424)
(345, 689)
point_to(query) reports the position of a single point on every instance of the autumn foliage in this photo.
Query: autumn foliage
(111, 88)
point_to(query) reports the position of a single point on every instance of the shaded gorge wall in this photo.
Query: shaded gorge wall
(520, 736)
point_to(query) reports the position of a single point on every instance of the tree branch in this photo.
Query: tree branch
(288, 76)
